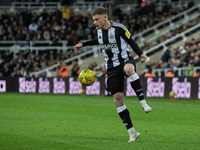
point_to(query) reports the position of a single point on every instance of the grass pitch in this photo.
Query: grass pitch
(66, 122)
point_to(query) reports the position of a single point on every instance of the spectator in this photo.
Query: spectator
(33, 26)
(80, 32)
(196, 61)
(66, 12)
(75, 69)
(19, 36)
(63, 35)
(5, 16)
(149, 74)
(182, 50)
(74, 37)
(117, 13)
(39, 35)
(196, 74)
(169, 74)
(26, 15)
(167, 55)
(18, 74)
(6, 72)
(46, 35)
(8, 56)
(22, 27)
(63, 71)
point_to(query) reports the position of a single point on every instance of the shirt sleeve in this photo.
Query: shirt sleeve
(135, 47)
(91, 42)
(127, 36)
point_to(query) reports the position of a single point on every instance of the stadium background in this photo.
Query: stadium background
(41, 107)
(37, 39)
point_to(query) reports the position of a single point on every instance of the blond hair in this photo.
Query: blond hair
(99, 11)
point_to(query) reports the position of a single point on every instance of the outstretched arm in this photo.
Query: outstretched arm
(87, 43)
(78, 47)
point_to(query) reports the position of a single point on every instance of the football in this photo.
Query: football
(87, 77)
(171, 95)
(82, 92)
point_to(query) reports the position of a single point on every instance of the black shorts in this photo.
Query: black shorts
(116, 75)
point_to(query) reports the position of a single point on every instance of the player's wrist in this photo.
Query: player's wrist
(141, 54)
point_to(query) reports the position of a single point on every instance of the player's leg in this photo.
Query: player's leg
(115, 84)
(125, 116)
(129, 69)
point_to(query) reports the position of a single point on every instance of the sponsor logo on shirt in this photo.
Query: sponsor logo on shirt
(109, 46)
(128, 34)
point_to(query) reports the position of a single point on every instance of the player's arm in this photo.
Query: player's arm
(134, 45)
(87, 43)
(137, 49)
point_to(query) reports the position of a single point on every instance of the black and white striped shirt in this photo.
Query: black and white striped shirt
(114, 44)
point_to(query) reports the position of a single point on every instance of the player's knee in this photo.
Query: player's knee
(129, 70)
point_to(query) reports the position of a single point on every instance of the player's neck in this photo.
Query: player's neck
(107, 25)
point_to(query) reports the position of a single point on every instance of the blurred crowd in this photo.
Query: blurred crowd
(173, 32)
(65, 25)
(34, 0)
(183, 56)
(147, 16)
(54, 26)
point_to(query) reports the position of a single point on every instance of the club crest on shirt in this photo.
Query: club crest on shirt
(99, 37)
(111, 36)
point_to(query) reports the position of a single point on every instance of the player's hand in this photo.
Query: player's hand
(143, 58)
(78, 47)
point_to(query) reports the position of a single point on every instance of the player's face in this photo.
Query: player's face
(99, 21)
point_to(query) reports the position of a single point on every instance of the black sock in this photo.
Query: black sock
(137, 86)
(125, 116)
